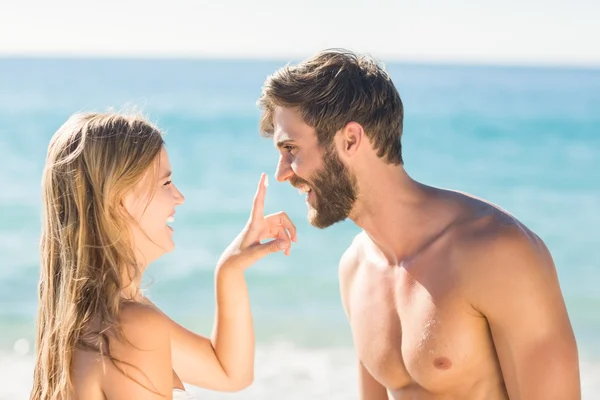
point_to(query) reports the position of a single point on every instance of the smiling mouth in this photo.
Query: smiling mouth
(170, 219)
(304, 190)
(310, 194)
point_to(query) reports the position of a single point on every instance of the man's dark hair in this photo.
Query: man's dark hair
(336, 87)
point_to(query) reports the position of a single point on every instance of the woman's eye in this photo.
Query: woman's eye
(167, 183)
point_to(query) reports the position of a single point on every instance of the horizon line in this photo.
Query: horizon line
(428, 61)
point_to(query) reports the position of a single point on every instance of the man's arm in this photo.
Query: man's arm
(368, 387)
(515, 286)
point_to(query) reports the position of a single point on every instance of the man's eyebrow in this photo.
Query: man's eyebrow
(282, 143)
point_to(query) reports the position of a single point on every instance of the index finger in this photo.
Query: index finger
(258, 206)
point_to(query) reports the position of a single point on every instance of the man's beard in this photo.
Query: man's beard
(334, 189)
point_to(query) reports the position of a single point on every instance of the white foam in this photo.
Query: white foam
(17, 376)
(21, 347)
(590, 380)
(283, 371)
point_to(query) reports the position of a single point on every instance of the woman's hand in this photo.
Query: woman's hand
(247, 248)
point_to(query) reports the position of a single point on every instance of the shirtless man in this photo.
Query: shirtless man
(448, 296)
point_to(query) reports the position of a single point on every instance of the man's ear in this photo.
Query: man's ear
(351, 137)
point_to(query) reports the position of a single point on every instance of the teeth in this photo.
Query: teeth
(170, 219)
(303, 190)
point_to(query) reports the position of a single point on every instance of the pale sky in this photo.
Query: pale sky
(487, 31)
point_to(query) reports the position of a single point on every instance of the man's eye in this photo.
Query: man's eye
(289, 148)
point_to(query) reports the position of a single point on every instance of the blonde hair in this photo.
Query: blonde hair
(86, 250)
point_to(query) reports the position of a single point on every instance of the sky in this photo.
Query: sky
(532, 32)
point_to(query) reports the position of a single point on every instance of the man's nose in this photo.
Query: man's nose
(284, 170)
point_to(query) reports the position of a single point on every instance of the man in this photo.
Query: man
(448, 296)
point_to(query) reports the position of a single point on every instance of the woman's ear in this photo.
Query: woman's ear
(126, 205)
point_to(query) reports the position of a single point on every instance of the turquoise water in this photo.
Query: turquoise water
(526, 139)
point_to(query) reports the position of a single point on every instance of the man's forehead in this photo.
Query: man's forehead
(280, 135)
(287, 126)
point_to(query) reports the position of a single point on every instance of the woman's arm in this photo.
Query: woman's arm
(225, 362)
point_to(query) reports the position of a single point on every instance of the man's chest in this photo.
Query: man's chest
(411, 329)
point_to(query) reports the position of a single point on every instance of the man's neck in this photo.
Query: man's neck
(396, 212)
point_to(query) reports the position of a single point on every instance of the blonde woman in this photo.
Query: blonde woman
(107, 200)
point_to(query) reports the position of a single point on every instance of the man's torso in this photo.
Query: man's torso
(413, 327)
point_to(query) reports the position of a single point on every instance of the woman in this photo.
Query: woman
(107, 199)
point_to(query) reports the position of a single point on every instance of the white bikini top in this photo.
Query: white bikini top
(179, 394)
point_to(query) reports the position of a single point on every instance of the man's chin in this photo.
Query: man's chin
(317, 221)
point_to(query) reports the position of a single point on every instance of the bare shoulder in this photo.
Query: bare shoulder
(143, 324)
(143, 332)
(349, 263)
(139, 362)
(492, 248)
(497, 237)
(352, 257)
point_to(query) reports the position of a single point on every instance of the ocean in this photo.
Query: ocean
(527, 139)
